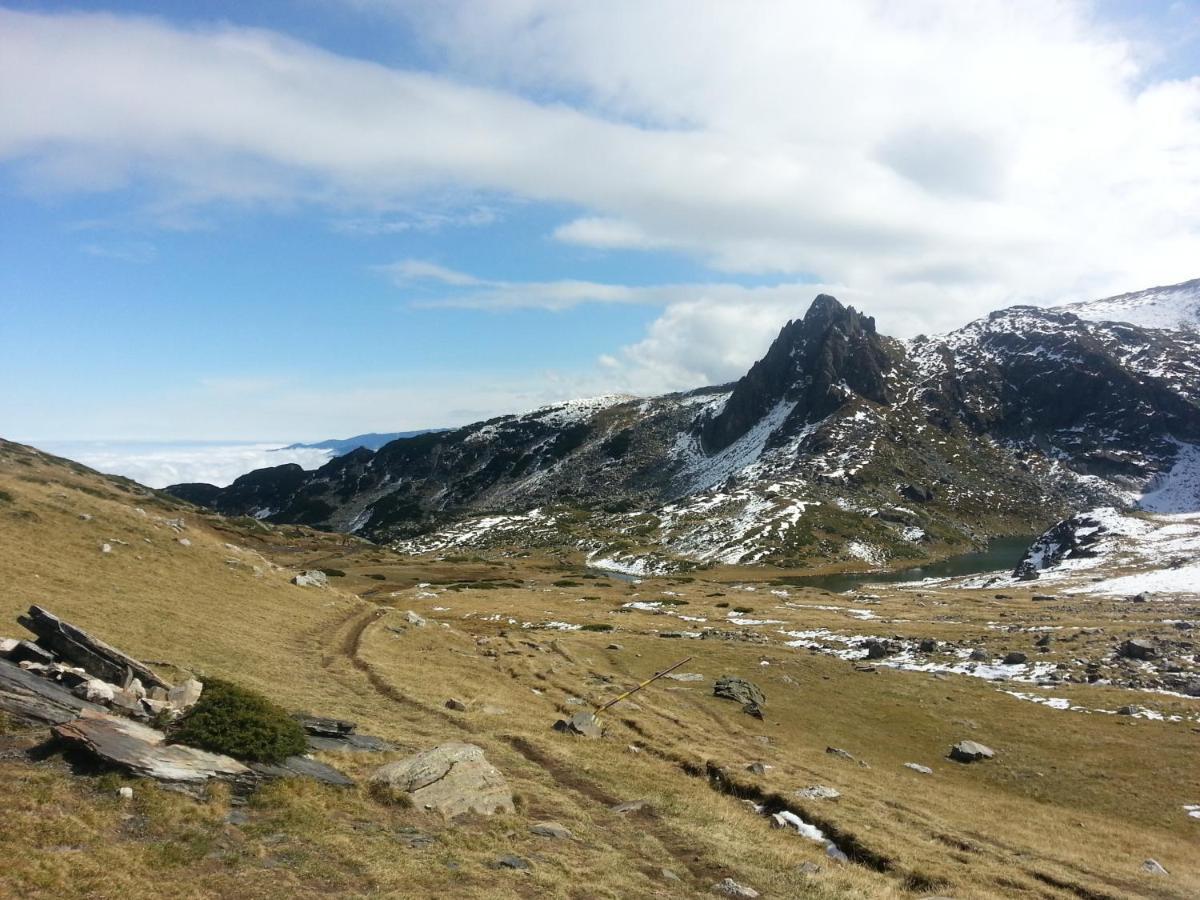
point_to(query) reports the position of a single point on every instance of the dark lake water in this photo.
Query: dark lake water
(1001, 553)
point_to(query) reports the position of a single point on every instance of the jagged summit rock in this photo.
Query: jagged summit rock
(813, 363)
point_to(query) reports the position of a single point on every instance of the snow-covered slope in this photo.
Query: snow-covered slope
(1174, 306)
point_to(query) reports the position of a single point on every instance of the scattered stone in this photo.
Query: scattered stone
(730, 888)
(629, 806)
(415, 840)
(85, 517)
(143, 750)
(1044, 641)
(238, 817)
(94, 691)
(1137, 648)
(758, 768)
(808, 868)
(77, 646)
(928, 645)
(668, 875)
(550, 830)
(754, 710)
(970, 751)
(512, 862)
(978, 655)
(456, 705)
(186, 695)
(583, 724)
(413, 619)
(311, 578)
(917, 767)
(125, 793)
(1015, 658)
(453, 778)
(614, 647)
(106, 548)
(1154, 867)
(818, 792)
(184, 542)
(840, 753)
(686, 676)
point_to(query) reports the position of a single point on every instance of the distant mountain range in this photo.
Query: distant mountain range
(839, 444)
(371, 441)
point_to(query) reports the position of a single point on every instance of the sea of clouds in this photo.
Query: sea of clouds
(158, 464)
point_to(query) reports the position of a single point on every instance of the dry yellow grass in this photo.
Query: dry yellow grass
(1070, 807)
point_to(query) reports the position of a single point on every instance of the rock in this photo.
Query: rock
(136, 688)
(629, 806)
(7, 646)
(1015, 658)
(30, 698)
(686, 676)
(453, 778)
(928, 645)
(818, 792)
(413, 619)
(302, 767)
(1044, 641)
(106, 548)
(125, 793)
(970, 751)
(512, 862)
(739, 690)
(311, 578)
(1154, 867)
(876, 649)
(1129, 710)
(808, 868)
(918, 493)
(323, 726)
(184, 542)
(550, 830)
(1137, 648)
(94, 691)
(77, 646)
(753, 709)
(614, 647)
(839, 752)
(143, 750)
(185, 695)
(28, 651)
(457, 705)
(1042, 598)
(155, 708)
(978, 655)
(917, 767)
(668, 875)
(730, 888)
(583, 724)
(354, 743)
(757, 768)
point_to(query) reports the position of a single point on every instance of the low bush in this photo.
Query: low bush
(241, 723)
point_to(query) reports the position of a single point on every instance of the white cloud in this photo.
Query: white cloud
(960, 155)
(160, 464)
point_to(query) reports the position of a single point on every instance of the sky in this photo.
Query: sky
(283, 221)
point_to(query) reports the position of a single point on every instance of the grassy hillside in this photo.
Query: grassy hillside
(1070, 807)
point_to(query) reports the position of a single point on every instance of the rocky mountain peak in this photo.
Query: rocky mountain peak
(816, 363)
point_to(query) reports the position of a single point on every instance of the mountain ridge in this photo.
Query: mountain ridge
(839, 444)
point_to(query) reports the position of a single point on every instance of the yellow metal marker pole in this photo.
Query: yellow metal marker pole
(654, 677)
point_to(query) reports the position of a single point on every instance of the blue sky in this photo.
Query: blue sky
(290, 221)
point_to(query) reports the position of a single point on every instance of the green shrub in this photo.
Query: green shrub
(239, 722)
(334, 573)
(743, 609)
(377, 576)
(596, 626)
(721, 605)
(566, 582)
(672, 601)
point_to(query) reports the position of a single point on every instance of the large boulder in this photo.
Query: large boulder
(739, 690)
(453, 778)
(311, 578)
(583, 724)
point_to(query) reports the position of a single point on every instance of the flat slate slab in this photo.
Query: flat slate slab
(144, 751)
(33, 699)
(77, 646)
(303, 767)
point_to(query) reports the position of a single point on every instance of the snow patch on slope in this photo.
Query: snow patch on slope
(1175, 306)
